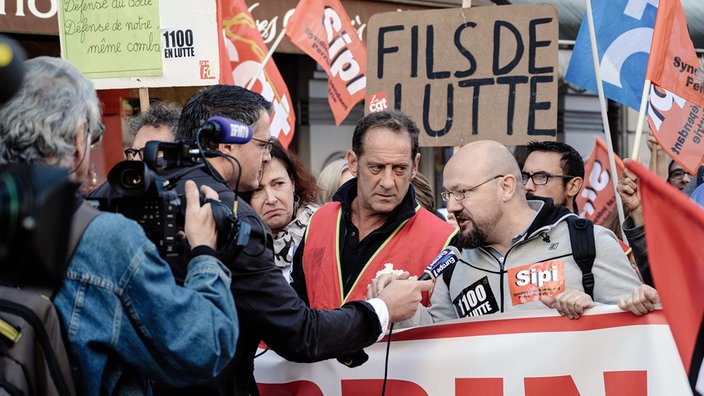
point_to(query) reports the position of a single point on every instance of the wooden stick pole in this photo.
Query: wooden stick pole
(604, 117)
(143, 99)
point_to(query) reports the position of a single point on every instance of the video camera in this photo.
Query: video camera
(144, 191)
(36, 206)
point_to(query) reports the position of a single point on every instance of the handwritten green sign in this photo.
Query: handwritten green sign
(111, 38)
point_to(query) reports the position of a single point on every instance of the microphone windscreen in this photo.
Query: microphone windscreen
(446, 258)
(11, 68)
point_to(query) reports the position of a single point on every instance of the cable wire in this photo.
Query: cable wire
(386, 359)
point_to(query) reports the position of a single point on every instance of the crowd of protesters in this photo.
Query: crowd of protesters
(319, 267)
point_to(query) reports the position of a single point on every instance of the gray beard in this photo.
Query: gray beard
(476, 238)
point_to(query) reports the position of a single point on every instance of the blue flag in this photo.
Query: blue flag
(624, 30)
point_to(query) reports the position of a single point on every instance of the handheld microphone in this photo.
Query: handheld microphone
(440, 263)
(227, 131)
(11, 68)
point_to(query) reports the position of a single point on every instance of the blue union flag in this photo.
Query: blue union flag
(624, 30)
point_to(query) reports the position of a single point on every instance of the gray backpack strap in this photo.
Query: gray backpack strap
(79, 222)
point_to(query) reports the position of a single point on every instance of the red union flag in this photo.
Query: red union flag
(678, 126)
(598, 200)
(242, 50)
(322, 29)
(673, 63)
(675, 227)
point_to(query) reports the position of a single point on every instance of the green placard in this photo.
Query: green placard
(112, 38)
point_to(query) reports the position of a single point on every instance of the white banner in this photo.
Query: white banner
(142, 43)
(605, 353)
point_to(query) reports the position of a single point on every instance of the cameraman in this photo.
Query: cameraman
(268, 308)
(125, 318)
(158, 122)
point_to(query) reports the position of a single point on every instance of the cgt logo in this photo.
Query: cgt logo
(378, 102)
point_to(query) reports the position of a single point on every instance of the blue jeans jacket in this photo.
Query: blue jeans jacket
(127, 321)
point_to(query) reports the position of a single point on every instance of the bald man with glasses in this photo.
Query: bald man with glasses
(516, 253)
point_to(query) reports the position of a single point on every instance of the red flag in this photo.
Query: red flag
(674, 113)
(322, 29)
(678, 126)
(598, 199)
(675, 230)
(673, 63)
(242, 50)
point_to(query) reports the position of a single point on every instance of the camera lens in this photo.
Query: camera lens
(131, 179)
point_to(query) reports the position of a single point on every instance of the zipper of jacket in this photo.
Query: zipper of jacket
(501, 274)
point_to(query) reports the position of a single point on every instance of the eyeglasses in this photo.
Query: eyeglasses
(679, 174)
(134, 154)
(96, 136)
(541, 178)
(461, 194)
(264, 145)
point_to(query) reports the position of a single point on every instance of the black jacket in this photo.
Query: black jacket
(269, 309)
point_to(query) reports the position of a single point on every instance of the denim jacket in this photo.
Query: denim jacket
(127, 321)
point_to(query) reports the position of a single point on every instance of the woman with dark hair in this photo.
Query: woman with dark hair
(287, 196)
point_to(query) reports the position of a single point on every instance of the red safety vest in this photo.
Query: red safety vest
(411, 247)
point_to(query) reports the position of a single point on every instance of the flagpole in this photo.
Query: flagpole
(266, 58)
(604, 117)
(641, 120)
(465, 4)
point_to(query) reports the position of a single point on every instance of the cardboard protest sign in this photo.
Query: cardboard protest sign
(141, 43)
(466, 74)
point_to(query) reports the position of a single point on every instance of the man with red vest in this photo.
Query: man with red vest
(373, 220)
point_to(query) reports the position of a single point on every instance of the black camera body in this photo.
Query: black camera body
(143, 191)
(36, 207)
(138, 193)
